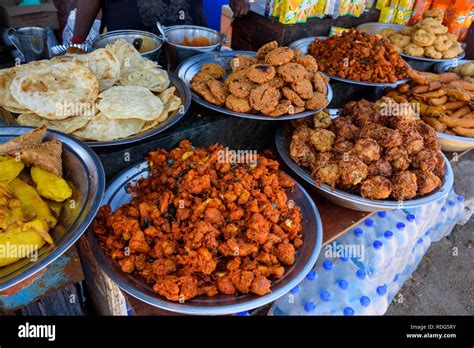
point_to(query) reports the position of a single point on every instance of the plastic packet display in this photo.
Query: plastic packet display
(312, 10)
(319, 9)
(403, 17)
(357, 7)
(387, 15)
(330, 8)
(289, 11)
(421, 6)
(381, 4)
(466, 26)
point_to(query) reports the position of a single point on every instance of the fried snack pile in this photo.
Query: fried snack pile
(200, 226)
(370, 152)
(428, 38)
(277, 82)
(445, 101)
(359, 56)
(29, 197)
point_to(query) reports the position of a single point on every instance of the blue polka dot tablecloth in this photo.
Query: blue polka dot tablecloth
(362, 271)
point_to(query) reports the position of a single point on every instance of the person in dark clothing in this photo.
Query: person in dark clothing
(143, 14)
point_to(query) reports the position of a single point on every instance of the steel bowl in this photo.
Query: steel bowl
(355, 202)
(83, 170)
(117, 195)
(303, 45)
(182, 91)
(175, 35)
(148, 44)
(374, 28)
(191, 67)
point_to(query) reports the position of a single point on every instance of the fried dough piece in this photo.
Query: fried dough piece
(46, 155)
(265, 49)
(279, 56)
(34, 137)
(264, 98)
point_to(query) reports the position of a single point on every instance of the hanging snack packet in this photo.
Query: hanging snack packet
(312, 10)
(421, 6)
(289, 10)
(381, 4)
(357, 7)
(387, 15)
(466, 26)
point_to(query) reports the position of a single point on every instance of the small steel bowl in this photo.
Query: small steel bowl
(83, 170)
(148, 44)
(175, 35)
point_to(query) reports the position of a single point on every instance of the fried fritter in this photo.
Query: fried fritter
(292, 72)
(303, 88)
(427, 182)
(404, 185)
(322, 139)
(213, 69)
(261, 73)
(238, 104)
(317, 102)
(279, 56)
(376, 187)
(264, 98)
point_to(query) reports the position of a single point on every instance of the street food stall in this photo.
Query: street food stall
(306, 170)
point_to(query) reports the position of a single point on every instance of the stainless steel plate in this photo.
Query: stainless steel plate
(374, 28)
(182, 91)
(83, 170)
(303, 46)
(347, 200)
(191, 66)
(116, 196)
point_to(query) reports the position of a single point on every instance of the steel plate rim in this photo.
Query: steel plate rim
(184, 66)
(444, 66)
(84, 224)
(441, 193)
(160, 302)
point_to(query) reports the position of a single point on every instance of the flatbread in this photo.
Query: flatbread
(167, 94)
(45, 91)
(127, 55)
(148, 75)
(104, 65)
(173, 103)
(101, 128)
(122, 102)
(68, 125)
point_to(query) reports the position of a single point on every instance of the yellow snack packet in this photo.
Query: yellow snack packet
(312, 9)
(345, 7)
(356, 9)
(405, 5)
(289, 11)
(319, 9)
(394, 3)
(303, 11)
(381, 4)
(402, 17)
(387, 15)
